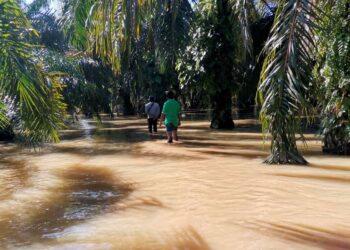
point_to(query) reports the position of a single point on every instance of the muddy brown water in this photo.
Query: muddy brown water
(110, 186)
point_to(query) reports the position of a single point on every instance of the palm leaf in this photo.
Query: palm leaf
(285, 77)
(4, 122)
(23, 79)
(246, 12)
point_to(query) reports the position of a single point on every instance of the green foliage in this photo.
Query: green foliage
(191, 72)
(4, 121)
(140, 40)
(172, 23)
(86, 83)
(49, 29)
(203, 49)
(35, 6)
(23, 79)
(334, 77)
(215, 59)
(74, 21)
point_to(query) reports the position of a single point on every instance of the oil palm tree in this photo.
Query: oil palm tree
(117, 31)
(218, 50)
(307, 54)
(286, 76)
(24, 84)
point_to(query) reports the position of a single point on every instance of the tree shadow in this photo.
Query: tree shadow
(96, 149)
(100, 149)
(85, 192)
(217, 145)
(305, 234)
(14, 176)
(337, 178)
(186, 238)
(243, 154)
(329, 167)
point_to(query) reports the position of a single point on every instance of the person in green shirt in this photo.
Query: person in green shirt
(171, 116)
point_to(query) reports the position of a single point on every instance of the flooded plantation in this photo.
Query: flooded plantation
(111, 186)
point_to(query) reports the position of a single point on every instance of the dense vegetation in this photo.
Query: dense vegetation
(107, 56)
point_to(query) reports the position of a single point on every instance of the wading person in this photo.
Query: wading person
(152, 110)
(171, 116)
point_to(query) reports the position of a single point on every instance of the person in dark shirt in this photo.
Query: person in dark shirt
(152, 110)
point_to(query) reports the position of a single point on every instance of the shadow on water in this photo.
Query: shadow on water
(137, 130)
(140, 203)
(107, 135)
(121, 136)
(85, 193)
(137, 151)
(310, 235)
(218, 145)
(238, 128)
(248, 155)
(96, 149)
(323, 177)
(186, 238)
(329, 167)
(14, 175)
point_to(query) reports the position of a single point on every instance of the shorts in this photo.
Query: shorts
(170, 127)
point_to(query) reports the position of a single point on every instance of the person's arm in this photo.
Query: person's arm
(162, 117)
(179, 115)
(158, 110)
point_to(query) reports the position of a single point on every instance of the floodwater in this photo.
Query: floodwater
(110, 186)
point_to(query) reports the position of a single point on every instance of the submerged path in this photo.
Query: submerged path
(110, 186)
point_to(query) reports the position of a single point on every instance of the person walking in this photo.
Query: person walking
(152, 110)
(171, 116)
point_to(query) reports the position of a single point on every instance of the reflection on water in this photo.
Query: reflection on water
(111, 186)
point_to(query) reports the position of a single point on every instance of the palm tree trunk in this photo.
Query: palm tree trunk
(335, 142)
(128, 108)
(283, 143)
(222, 110)
(7, 134)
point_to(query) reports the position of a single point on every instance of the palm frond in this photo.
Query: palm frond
(74, 19)
(4, 121)
(246, 12)
(172, 26)
(286, 75)
(23, 79)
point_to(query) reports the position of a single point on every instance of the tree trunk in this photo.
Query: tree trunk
(128, 108)
(7, 134)
(222, 110)
(283, 145)
(336, 143)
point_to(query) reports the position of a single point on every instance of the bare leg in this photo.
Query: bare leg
(170, 138)
(175, 135)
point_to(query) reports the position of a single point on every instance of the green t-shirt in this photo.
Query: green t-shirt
(171, 110)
